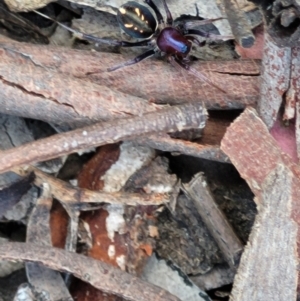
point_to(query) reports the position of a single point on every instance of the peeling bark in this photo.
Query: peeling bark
(275, 181)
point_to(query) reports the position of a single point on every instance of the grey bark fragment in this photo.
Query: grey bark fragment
(268, 268)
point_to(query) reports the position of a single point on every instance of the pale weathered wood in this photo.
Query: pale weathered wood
(169, 119)
(151, 79)
(269, 269)
(275, 77)
(230, 245)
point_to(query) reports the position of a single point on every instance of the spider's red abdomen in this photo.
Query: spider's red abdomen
(171, 41)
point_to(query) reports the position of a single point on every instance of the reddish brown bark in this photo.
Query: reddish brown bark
(75, 80)
(260, 161)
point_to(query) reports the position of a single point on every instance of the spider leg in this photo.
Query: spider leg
(179, 65)
(168, 13)
(133, 61)
(196, 41)
(159, 16)
(206, 34)
(94, 39)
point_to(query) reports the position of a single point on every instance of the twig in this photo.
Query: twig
(168, 119)
(215, 220)
(75, 196)
(165, 143)
(99, 274)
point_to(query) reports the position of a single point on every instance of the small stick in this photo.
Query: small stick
(215, 220)
(75, 196)
(239, 24)
(170, 119)
(165, 143)
(102, 276)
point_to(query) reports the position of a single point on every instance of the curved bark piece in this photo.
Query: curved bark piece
(150, 78)
(99, 274)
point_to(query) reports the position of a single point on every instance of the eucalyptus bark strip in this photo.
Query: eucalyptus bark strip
(38, 91)
(99, 274)
(268, 174)
(270, 274)
(292, 95)
(151, 78)
(71, 195)
(275, 78)
(169, 119)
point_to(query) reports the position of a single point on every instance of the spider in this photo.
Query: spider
(138, 22)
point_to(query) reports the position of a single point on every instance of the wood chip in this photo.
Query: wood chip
(215, 220)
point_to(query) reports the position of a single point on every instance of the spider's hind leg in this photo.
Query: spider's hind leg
(180, 65)
(87, 37)
(168, 13)
(133, 61)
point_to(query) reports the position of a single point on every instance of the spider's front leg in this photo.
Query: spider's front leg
(168, 13)
(133, 61)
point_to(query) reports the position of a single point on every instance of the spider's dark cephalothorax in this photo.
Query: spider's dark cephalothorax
(138, 21)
